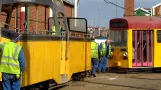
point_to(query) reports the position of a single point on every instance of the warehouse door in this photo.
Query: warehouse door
(143, 48)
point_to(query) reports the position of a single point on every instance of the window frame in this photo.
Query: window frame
(113, 40)
(158, 41)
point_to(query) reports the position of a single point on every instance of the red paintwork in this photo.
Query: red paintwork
(140, 22)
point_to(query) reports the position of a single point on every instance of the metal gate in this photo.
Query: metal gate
(142, 48)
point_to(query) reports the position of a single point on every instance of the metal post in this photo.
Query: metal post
(22, 19)
(75, 8)
(16, 18)
(27, 19)
(116, 9)
(94, 28)
(37, 12)
(99, 20)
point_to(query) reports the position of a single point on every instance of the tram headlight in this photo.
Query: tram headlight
(110, 56)
(125, 56)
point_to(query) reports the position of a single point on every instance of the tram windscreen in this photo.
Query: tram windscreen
(118, 37)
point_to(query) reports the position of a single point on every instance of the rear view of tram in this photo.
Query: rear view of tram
(135, 43)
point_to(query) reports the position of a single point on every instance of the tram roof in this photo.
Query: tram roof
(139, 22)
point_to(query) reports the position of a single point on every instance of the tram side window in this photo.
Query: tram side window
(159, 36)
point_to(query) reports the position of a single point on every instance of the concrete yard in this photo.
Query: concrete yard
(112, 81)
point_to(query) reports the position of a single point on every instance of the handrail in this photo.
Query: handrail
(46, 32)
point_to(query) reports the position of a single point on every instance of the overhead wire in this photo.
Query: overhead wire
(107, 2)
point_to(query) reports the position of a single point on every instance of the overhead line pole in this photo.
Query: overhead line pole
(116, 9)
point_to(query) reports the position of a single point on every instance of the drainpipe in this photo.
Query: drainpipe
(22, 19)
(16, 19)
(27, 19)
(51, 13)
(75, 8)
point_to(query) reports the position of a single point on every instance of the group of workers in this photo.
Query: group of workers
(99, 56)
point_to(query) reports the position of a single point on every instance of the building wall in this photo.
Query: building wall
(68, 10)
(158, 11)
(38, 17)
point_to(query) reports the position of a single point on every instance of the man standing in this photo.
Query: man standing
(94, 57)
(105, 52)
(12, 63)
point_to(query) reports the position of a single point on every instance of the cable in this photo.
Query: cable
(107, 1)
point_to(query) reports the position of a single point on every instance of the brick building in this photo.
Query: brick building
(39, 14)
(156, 10)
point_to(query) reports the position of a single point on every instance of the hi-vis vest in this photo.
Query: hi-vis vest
(109, 50)
(94, 50)
(54, 30)
(9, 59)
(103, 50)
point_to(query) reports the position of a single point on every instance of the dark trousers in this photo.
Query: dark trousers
(8, 83)
(102, 64)
(94, 65)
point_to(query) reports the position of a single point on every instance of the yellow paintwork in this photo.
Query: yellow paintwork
(76, 62)
(157, 48)
(42, 61)
(129, 41)
(48, 60)
(117, 60)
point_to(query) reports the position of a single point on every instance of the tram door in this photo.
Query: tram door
(142, 48)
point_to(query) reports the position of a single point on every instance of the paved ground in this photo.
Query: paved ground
(111, 81)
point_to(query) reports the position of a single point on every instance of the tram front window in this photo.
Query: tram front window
(118, 37)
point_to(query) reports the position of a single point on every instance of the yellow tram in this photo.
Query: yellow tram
(136, 43)
(51, 59)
